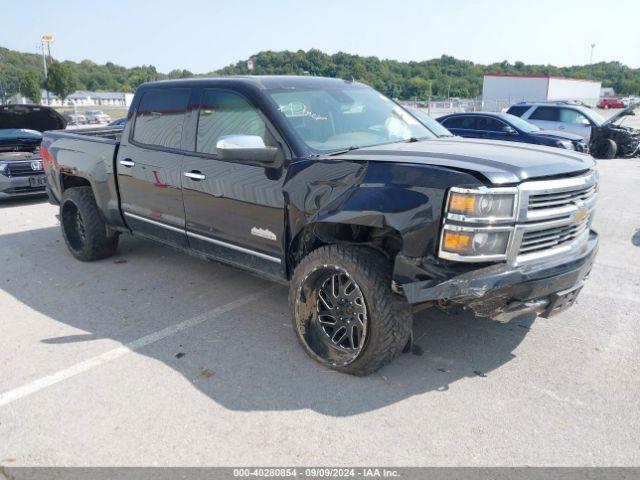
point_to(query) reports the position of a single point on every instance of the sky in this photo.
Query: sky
(202, 36)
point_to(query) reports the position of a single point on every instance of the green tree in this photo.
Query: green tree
(61, 80)
(30, 86)
(418, 88)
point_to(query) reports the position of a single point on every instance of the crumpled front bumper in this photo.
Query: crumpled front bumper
(492, 290)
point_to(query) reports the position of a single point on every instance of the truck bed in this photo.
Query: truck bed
(88, 156)
(112, 133)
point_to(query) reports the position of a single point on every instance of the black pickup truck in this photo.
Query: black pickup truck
(336, 190)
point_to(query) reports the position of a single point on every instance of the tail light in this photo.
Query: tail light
(47, 158)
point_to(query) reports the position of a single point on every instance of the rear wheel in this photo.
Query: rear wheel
(83, 229)
(344, 312)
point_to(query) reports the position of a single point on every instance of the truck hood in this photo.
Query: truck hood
(499, 162)
(31, 117)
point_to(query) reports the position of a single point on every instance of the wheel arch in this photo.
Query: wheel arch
(386, 240)
(68, 181)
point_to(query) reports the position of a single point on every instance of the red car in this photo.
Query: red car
(611, 103)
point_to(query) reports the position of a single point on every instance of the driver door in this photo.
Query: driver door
(234, 211)
(575, 122)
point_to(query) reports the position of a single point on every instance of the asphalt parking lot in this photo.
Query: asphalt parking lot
(153, 357)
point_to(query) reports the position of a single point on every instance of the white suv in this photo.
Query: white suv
(564, 116)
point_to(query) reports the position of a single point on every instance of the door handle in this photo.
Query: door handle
(127, 162)
(561, 127)
(195, 175)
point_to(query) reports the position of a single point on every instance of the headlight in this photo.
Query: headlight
(3, 167)
(485, 205)
(478, 244)
(565, 144)
(478, 224)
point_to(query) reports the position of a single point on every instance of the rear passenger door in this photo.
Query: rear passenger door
(234, 211)
(149, 166)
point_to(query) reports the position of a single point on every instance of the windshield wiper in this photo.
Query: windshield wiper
(340, 152)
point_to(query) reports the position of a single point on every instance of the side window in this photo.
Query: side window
(518, 111)
(490, 124)
(468, 123)
(545, 113)
(453, 122)
(160, 117)
(226, 113)
(568, 115)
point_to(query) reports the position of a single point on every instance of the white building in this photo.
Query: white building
(607, 92)
(501, 90)
(86, 98)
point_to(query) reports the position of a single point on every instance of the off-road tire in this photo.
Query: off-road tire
(389, 317)
(94, 243)
(605, 148)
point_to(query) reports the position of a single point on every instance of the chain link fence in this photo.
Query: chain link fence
(437, 108)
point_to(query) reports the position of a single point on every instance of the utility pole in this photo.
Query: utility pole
(2, 94)
(593, 45)
(46, 39)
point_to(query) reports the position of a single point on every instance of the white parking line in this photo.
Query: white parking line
(78, 368)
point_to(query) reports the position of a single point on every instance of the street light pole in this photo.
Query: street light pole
(593, 45)
(44, 64)
(46, 39)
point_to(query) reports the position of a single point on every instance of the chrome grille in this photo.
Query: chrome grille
(537, 240)
(21, 169)
(549, 200)
(554, 216)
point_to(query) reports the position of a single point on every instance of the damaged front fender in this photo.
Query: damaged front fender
(404, 198)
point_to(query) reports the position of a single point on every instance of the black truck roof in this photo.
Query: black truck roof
(262, 82)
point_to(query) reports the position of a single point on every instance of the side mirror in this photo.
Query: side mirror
(248, 149)
(509, 130)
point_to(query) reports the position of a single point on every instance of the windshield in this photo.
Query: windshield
(430, 123)
(335, 119)
(521, 124)
(595, 117)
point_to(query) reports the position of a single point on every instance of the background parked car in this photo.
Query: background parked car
(431, 123)
(96, 116)
(503, 126)
(563, 116)
(118, 122)
(74, 118)
(611, 103)
(21, 165)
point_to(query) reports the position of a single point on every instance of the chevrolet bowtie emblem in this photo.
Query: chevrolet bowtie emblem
(580, 215)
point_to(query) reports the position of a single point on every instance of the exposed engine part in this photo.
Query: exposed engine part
(626, 139)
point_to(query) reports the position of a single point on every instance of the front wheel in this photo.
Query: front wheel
(344, 312)
(605, 148)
